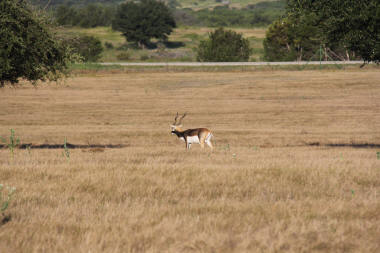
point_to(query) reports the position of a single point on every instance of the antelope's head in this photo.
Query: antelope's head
(176, 126)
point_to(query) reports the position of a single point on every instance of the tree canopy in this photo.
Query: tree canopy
(141, 21)
(28, 49)
(347, 28)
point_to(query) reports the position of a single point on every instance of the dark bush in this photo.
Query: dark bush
(89, 47)
(108, 45)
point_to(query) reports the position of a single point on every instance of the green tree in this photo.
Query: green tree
(143, 20)
(224, 46)
(356, 24)
(292, 38)
(349, 26)
(28, 49)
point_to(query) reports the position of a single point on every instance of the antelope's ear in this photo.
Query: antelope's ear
(172, 125)
(179, 125)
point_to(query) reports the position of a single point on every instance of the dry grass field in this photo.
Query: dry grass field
(295, 166)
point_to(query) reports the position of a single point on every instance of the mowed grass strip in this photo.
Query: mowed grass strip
(295, 165)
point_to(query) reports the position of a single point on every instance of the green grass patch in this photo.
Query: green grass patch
(89, 68)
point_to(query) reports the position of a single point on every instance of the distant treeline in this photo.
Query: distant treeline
(54, 3)
(92, 15)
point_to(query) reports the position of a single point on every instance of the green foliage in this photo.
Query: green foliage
(13, 142)
(4, 204)
(347, 28)
(28, 49)
(287, 41)
(356, 24)
(224, 46)
(143, 20)
(88, 47)
(277, 44)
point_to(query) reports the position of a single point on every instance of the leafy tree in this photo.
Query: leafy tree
(143, 20)
(292, 39)
(224, 46)
(28, 49)
(356, 24)
(348, 25)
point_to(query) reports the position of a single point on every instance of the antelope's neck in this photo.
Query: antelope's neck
(179, 130)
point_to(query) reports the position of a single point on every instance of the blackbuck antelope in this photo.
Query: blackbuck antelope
(190, 136)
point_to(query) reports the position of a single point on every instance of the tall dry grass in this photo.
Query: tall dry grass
(295, 167)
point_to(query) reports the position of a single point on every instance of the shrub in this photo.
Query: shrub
(144, 57)
(123, 56)
(224, 46)
(89, 47)
(108, 45)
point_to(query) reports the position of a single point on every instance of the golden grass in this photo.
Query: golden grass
(275, 181)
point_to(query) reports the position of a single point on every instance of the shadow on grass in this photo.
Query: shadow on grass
(5, 219)
(152, 45)
(349, 145)
(68, 145)
(174, 44)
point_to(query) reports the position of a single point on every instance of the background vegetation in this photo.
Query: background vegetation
(299, 30)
